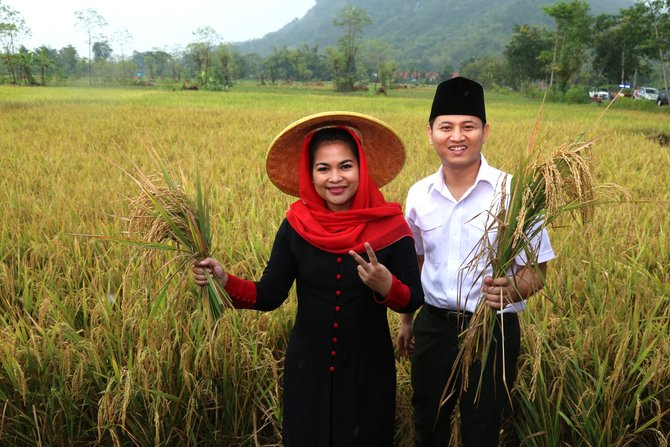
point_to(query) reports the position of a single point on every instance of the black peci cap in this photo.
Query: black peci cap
(459, 96)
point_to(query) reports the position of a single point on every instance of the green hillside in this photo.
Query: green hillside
(424, 34)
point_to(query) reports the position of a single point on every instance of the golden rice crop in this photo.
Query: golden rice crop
(84, 364)
(163, 217)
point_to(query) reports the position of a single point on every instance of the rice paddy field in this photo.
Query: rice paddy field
(95, 350)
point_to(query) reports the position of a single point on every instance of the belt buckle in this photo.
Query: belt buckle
(457, 318)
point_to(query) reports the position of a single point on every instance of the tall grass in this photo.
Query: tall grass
(84, 364)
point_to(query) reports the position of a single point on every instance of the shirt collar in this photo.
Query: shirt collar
(486, 173)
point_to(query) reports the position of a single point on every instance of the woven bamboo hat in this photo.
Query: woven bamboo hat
(383, 148)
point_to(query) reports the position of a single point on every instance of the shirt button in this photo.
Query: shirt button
(333, 353)
(336, 325)
(332, 369)
(338, 292)
(338, 276)
(339, 259)
(337, 308)
(334, 339)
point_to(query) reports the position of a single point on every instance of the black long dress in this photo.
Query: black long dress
(339, 371)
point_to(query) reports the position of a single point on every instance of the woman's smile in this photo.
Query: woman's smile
(335, 174)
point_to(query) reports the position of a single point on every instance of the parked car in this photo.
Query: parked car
(599, 95)
(645, 93)
(662, 99)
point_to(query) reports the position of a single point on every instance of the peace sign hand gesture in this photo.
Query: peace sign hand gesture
(373, 274)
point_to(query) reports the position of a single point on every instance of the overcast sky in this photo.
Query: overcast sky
(153, 24)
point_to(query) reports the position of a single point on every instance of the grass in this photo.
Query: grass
(83, 364)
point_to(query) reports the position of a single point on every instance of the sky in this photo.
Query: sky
(154, 24)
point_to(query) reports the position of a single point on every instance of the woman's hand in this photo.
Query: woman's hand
(373, 274)
(211, 267)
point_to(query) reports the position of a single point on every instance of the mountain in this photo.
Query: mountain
(423, 34)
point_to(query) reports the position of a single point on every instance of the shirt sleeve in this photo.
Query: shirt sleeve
(540, 247)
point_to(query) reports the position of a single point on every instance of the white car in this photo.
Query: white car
(646, 93)
(599, 95)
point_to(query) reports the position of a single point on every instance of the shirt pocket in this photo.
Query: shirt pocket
(480, 236)
(430, 225)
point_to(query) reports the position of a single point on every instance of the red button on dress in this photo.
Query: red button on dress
(334, 339)
(337, 308)
(339, 259)
(338, 292)
(333, 353)
(332, 369)
(336, 325)
(338, 276)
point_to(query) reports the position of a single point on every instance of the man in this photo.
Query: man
(450, 215)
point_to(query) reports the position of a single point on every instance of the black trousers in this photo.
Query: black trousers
(436, 347)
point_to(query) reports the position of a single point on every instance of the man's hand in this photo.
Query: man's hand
(406, 335)
(498, 292)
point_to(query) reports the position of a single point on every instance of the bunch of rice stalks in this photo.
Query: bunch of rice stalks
(544, 186)
(163, 218)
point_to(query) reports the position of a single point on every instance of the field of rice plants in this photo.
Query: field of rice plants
(97, 350)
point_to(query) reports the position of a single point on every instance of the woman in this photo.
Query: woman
(352, 256)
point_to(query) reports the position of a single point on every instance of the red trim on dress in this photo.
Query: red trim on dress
(242, 292)
(397, 298)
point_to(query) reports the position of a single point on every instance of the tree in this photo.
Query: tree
(201, 49)
(90, 21)
(280, 65)
(488, 70)
(68, 57)
(12, 29)
(571, 39)
(154, 64)
(102, 51)
(249, 65)
(301, 58)
(176, 54)
(314, 64)
(378, 62)
(163, 62)
(659, 17)
(224, 67)
(25, 65)
(299, 64)
(44, 59)
(353, 21)
(619, 48)
(122, 38)
(524, 53)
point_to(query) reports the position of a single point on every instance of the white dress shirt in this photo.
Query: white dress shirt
(449, 234)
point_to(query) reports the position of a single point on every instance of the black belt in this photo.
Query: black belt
(453, 317)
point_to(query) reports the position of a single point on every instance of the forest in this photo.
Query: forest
(568, 47)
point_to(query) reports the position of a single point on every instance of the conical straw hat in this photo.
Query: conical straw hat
(383, 149)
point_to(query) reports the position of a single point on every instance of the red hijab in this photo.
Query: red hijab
(370, 219)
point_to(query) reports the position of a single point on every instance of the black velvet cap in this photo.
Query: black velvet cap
(459, 96)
